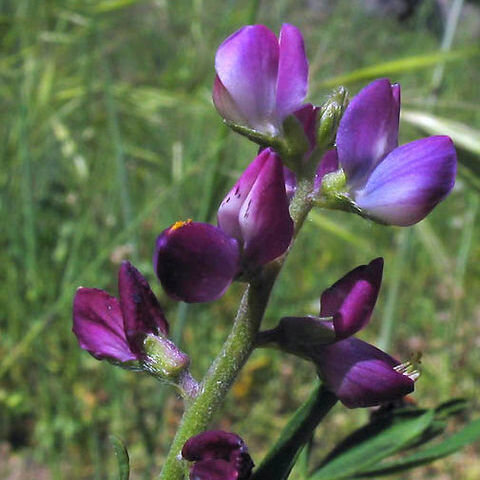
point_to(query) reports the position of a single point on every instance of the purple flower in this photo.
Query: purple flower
(358, 373)
(115, 329)
(255, 211)
(391, 184)
(132, 328)
(362, 375)
(196, 262)
(261, 79)
(218, 455)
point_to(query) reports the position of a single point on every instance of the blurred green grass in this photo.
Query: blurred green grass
(108, 136)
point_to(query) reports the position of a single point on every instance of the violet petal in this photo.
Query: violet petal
(292, 82)
(229, 210)
(408, 184)
(195, 262)
(351, 299)
(142, 314)
(98, 325)
(360, 374)
(368, 130)
(247, 66)
(265, 221)
(226, 105)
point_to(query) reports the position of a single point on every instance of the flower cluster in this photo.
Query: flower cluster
(335, 156)
(196, 262)
(358, 373)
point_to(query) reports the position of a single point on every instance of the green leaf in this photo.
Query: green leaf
(122, 457)
(467, 435)
(279, 462)
(400, 66)
(368, 445)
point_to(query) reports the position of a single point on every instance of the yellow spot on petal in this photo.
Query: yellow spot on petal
(180, 224)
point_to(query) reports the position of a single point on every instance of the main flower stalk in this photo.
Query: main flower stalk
(236, 349)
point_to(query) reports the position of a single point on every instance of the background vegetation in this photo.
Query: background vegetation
(108, 135)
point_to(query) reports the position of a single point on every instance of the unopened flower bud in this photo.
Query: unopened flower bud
(330, 116)
(218, 455)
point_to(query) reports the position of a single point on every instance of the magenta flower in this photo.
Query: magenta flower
(391, 184)
(116, 329)
(196, 262)
(261, 79)
(358, 373)
(218, 455)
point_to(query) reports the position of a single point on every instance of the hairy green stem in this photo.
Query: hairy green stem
(237, 348)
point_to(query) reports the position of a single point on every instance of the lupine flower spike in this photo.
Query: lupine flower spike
(358, 373)
(387, 183)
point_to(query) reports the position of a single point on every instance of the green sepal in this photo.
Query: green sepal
(164, 360)
(330, 115)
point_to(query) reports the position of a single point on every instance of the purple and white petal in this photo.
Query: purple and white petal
(265, 221)
(247, 65)
(360, 374)
(226, 105)
(351, 299)
(292, 82)
(229, 210)
(142, 314)
(408, 184)
(195, 262)
(98, 325)
(368, 130)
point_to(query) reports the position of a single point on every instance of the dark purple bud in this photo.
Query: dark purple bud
(256, 213)
(361, 375)
(142, 314)
(218, 455)
(98, 325)
(350, 300)
(195, 262)
(260, 80)
(213, 470)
